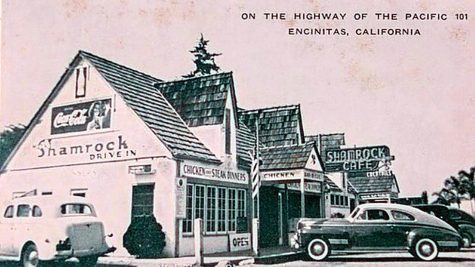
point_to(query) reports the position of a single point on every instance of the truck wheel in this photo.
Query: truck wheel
(318, 249)
(467, 240)
(29, 256)
(88, 261)
(425, 249)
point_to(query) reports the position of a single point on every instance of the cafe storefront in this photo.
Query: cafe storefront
(289, 194)
(107, 134)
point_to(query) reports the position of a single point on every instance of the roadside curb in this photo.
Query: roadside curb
(278, 257)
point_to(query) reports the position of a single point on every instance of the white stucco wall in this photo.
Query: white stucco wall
(107, 181)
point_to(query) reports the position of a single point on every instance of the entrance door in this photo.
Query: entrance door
(281, 220)
(142, 199)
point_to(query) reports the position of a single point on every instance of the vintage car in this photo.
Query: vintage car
(463, 222)
(377, 228)
(36, 229)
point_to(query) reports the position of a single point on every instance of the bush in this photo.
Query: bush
(144, 238)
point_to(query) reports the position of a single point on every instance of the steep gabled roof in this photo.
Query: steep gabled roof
(137, 90)
(278, 126)
(200, 100)
(245, 142)
(373, 184)
(285, 157)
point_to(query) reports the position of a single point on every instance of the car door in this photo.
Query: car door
(371, 229)
(6, 231)
(401, 225)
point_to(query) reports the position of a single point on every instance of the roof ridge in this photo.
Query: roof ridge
(89, 54)
(270, 109)
(183, 79)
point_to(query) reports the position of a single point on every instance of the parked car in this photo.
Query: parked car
(463, 222)
(35, 229)
(377, 228)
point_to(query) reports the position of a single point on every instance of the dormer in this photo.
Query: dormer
(207, 104)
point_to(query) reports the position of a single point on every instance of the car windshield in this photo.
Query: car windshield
(76, 208)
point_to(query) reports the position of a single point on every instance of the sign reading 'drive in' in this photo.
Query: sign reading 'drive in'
(80, 117)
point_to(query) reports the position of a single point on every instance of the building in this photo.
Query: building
(133, 145)
(291, 172)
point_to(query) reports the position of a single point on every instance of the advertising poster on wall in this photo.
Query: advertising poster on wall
(379, 94)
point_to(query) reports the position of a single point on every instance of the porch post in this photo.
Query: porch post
(302, 197)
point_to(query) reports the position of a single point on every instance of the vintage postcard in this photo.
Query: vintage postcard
(156, 133)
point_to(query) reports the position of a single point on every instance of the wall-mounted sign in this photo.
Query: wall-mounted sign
(94, 151)
(291, 175)
(80, 117)
(180, 190)
(375, 196)
(238, 242)
(219, 173)
(141, 169)
(358, 159)
(309, 187)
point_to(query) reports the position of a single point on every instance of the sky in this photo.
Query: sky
(414, 94)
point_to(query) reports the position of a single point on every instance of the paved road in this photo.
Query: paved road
(462, 258)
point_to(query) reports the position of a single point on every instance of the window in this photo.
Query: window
(332, 199)
(200, 202)
(8, 212)
(219, 207)
(76, 208)
(402, 216)
(81, 78)
(188, 221)
(227, 133)
(232, 210)
(23, 211)
(142, 200)
(37, 211)
(377, 215)
(211, 209)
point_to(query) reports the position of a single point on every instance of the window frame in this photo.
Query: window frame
(9, 208)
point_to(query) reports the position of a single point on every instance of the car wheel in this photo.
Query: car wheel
(29, 256)
(88, 261)
(467, 240)
(426, 249)
(318, 249)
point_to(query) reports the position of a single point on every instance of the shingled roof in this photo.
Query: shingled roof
(200, 100)
(150, 105)
(285, 157)
(373, 184)
(327, 141)
(278, 126)
(331, 185)
(245, 142)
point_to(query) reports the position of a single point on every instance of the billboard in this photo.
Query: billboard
(356, 159)
(81, 117)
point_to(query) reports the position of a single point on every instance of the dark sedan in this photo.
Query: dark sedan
(377, 228)
(460, 220)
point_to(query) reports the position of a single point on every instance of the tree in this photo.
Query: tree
(8, 139)
(144, 237)
(457, 188)
(204, 60)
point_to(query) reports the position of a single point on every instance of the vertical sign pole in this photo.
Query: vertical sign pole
(198, 232)
(255, 236)
(302, 197)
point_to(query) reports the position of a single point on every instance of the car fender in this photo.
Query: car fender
(436, 234)
(467, 228)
